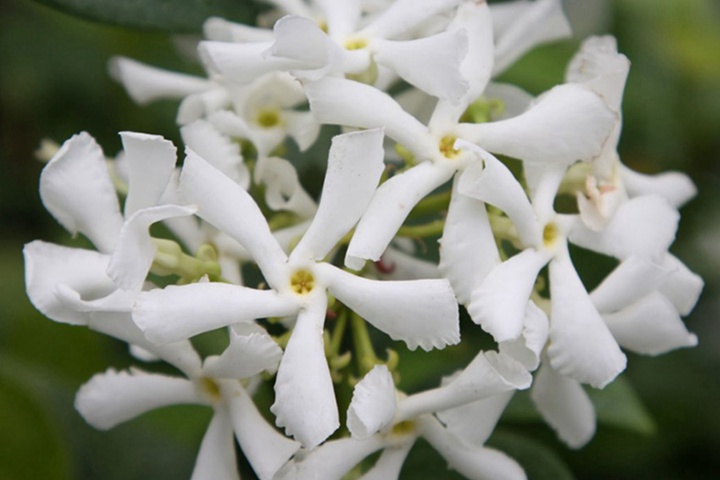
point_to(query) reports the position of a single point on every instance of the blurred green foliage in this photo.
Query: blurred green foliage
(53, 83)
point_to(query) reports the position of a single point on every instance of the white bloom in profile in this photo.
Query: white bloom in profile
(421, 312)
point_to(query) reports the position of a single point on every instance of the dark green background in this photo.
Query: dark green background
(53, 83)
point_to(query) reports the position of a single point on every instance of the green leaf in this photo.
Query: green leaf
(167, 15)
(539, 462)
(618, 405)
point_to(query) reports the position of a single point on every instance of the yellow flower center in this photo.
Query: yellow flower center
(355, 43)
(302, 282)
(447, 146)
(211, 388)
(403, 428)
(268, 118)
(550, 234)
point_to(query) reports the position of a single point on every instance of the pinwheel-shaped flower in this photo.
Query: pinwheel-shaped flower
(420, 312)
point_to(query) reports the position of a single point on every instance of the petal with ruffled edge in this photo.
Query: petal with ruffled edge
(283, 190)
(372, 407)
(265, 448)
(304, 396)
(419, 312)
(634, 278)
(337, 101)
(135, 250)
(643, 226)
(475, 421)
(568, 123)
(404, 15)
(150, 162)
(467, 248)
(76, 188)
(581, 346)
(225, 205)
(475, 463)
(528, 348)
(113, 397)
(145, 83)
(330, 461)
(432, 64)
(490, 181)
(355, 165)
(389, 208)
(251, 351)
(489, 374)
(83, 271)
(179, 312)
(217, 149)
(498, 303)
(564, 405)
(682, 287)
(651, 326)
(216, 458)
(676, 187)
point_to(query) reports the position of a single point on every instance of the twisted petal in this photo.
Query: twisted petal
(251, 351)
(419, 312)
(76, 188)
(216, 28)
(564, 405)
(404, 15)
(373, 403)
(355, 165)
(682, 287)
(676, 187)
(243, 62)
(634, 278)
(581, 346)
(135, 251)
(651, 326)
(302, 127)
(388, 209)
(390, 463)
(498, 304)
(301, 40)
(474, 422)
(283, 190)
(179, 312)
(566, 124)
(113, 397)
(216, 458)
(304, 396)
(528, 348)
(265, 448)
(228, 207)
(146, 84)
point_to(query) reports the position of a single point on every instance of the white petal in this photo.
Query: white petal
(475, 421)
(431, 64)
(265, 448)
(355, 165)
(179, 312)
(398, 265)
(566, 124)
(216, 28)
(529, 346)
(304, 396)
(651, 326)
(251, 351)
(390, 463)
(419, 312)
(643, 226)
(475, 463)
(228, 207)
(302, 127)
(337, 101)
(330, 461)
(135, 251)
(581, 346)
(83, 271)
(217, 149)
(283, 190)
(199, 105)
(564, 405)
(76, 188)
(514, 99)
(388, 209)
(300, 39)
(676, 187)
(538, 22)
(373, 403)
(145, 83)
(243, 62)
(151, 163)
(467, 248)
(489, 180)
(498, 304)
(216, 458)
(113, 397)
(634, 278)
(404, 15)
(341, 17)
(489, 374)
(682, 287)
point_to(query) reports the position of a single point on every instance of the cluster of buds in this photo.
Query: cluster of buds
(431, 147)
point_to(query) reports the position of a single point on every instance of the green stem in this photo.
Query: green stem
(432, 205)
(426, 230)
(364, 350)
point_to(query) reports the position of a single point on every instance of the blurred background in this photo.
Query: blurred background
(54, 83)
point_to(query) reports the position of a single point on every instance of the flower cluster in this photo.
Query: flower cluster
(431, 148)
